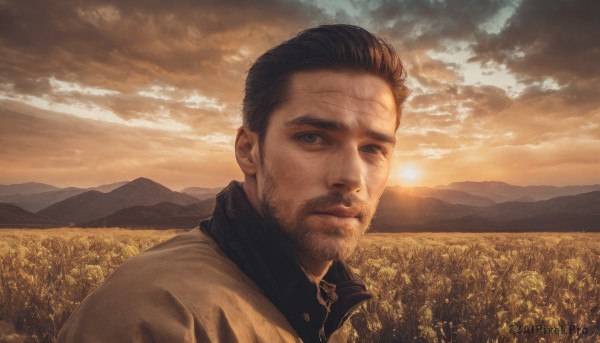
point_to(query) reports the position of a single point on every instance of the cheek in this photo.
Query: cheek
(296, 170)
(294, 178)
(377, 181)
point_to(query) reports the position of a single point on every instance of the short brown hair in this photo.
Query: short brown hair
(337, 47)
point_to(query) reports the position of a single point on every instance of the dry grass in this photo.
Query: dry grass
(467, 287)
(45, 274)
(428, 287)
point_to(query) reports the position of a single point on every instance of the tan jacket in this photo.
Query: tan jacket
(182, 290)
(232, 279)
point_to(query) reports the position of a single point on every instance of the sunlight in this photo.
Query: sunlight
(409, 174)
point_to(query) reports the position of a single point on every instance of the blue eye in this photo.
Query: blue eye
(309, 138)
(374, 149)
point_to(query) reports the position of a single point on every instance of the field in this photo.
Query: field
(427, 287)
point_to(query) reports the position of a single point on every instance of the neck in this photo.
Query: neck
(251, 191)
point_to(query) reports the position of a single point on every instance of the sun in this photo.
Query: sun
(409, 174)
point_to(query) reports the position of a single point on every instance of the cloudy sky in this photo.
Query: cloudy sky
(100, 91)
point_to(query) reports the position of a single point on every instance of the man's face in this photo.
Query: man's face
(327, 153)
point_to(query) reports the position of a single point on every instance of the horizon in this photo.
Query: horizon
(101, 91)
(179, 188)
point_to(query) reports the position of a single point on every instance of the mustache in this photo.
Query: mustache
(336, 199)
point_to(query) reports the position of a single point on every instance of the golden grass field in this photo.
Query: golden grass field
(428, 287)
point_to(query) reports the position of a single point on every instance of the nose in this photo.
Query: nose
(346, 170)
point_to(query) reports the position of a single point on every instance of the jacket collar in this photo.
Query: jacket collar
(262, 251)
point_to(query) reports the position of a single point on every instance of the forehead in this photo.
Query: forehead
(358, 97)
(358, 87)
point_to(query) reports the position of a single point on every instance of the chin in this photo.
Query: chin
(330, 245)
(325, 241)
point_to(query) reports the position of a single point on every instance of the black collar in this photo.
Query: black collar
(260, 248)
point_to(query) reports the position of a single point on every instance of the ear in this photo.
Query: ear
(246, 150)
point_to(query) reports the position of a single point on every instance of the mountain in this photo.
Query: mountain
(460, 206)
(202, 193)
(14, 216)
(26, 188)
(109, 187)
(204, 206)
(37, 201)
(161, 215)
(586, 203)
(399, 211)
(556, 222)
(143, 191)
(93, 205)
(502, 192)
(545, 222)
(34, 202)
(569, 213)
(83, 207)
(468, 223)
(447, 195)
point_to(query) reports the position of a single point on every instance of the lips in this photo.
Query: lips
(342, 212)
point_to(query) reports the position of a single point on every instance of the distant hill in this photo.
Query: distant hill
(93, 205)
(556, 222)
(569, 213)
(204, 206)
(37, 201)
(83, 207)
(398, 211)
(586, 203)
(201, 193)
(545, 222)
(14, 216)
(26, 188)
(34, 202)
(161, 215)
(447, 195)
(109, 187)
(460, 206)
(503, 192)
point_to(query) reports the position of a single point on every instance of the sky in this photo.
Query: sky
(99, 91)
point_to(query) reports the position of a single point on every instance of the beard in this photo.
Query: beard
(321, 242)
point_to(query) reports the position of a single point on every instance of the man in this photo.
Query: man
(319, 117)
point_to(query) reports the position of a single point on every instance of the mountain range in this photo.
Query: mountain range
(460, 206)
(37, 196)
(503, 192)
(94, 204)
(398, 212)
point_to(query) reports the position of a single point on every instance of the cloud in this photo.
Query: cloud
(195, 47)
(545, 163)
(556, 39)
(66, 150)
(430, 25)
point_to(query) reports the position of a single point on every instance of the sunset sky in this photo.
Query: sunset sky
(94, 92)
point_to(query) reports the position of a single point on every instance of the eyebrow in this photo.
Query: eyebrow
(332, 125)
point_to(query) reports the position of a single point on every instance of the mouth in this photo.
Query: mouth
(341, 212)
(338, 216)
